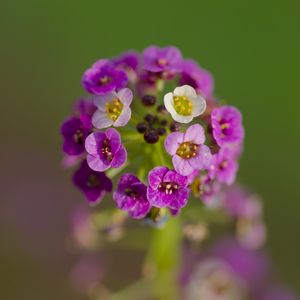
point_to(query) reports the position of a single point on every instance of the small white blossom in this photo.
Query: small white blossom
(184, 104)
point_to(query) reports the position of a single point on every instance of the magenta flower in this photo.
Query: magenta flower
(131, 196)
(224, 166)
(74, 132)
(128, 61)
(200, 79)
(188, 150)
(104, 77)
(162, 59)
(167, 188)
(227, 125)
(113, 109)
(94, 185)
(105, 150)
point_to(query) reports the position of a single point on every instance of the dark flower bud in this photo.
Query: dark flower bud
(161, 109)
(164, 122)
(151, 136)
(161, 131)
(142, 127)
(149, 118)
(174, 126)
(148, 100)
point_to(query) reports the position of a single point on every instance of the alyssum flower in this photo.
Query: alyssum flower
(156, 158)
(184, 104)
(113, 109)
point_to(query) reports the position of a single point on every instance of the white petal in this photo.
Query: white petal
(101, 120)
(101, 100)
(182, 119)
(185, 90)
(169, 103)
(123, 118)
(199, 106)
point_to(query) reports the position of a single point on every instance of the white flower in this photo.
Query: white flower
(184, 104)
(113, 109)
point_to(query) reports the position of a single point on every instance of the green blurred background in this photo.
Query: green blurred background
(251, 47)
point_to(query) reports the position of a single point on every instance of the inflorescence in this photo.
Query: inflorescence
(152, 121)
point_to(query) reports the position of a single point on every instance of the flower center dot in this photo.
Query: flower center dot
(114, 109)
(78, 137)
(93, 181)
(187, 150)
(183, 105)
(162, 62)
(168, 187)
(106, 150)
(104, 80)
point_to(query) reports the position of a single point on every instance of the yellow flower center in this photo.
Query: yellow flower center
(183, 105)
(187, 150)
(114, 109)
(104, 80)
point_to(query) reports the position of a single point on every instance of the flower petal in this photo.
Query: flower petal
(173, 141)
(101, 100)
(185, 90)
(92, 142)
(181, 118)
(96, 164)
(114, 138)
(202, 160)
(199, 105)
(182, 166)
(123, 118)
(180, 200)
(125, 95)
(119, 157)
(169, 103)
(157, 198)
(195, 134)
(156, 175)
(101, 120)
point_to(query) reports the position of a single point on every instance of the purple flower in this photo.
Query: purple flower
(167, 188)
(224, 166)
(165, 59)
(187, 150)
(74, 132)
(105, 150)
(131, 196)
(94, 185)
(104, 77)
(227, 125)
(113, 109)
(200, 79)
(128, 61)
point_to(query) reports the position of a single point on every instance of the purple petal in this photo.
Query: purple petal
(156, 175)
(202, 160)
(173, 176)
(96, 164)
(119, 157)
(195, 134)
(180, 200)
(157, 198)
(181, 165)
(114, 138)
(173, 141)
(92, 142)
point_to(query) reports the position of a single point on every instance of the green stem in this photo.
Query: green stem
(163, 258)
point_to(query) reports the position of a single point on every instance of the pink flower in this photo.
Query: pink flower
(188, 150)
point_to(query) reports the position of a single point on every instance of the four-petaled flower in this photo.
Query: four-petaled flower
(74, 132)
(131, 196)
(166, 59)
(113, 109)
(184, 104)
(227, 125)
(105, 150)
(187, 150)
(94, 185)
(104, 77)
(224, 166)
(167, 188)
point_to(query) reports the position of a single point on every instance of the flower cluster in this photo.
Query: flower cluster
(161, 147)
